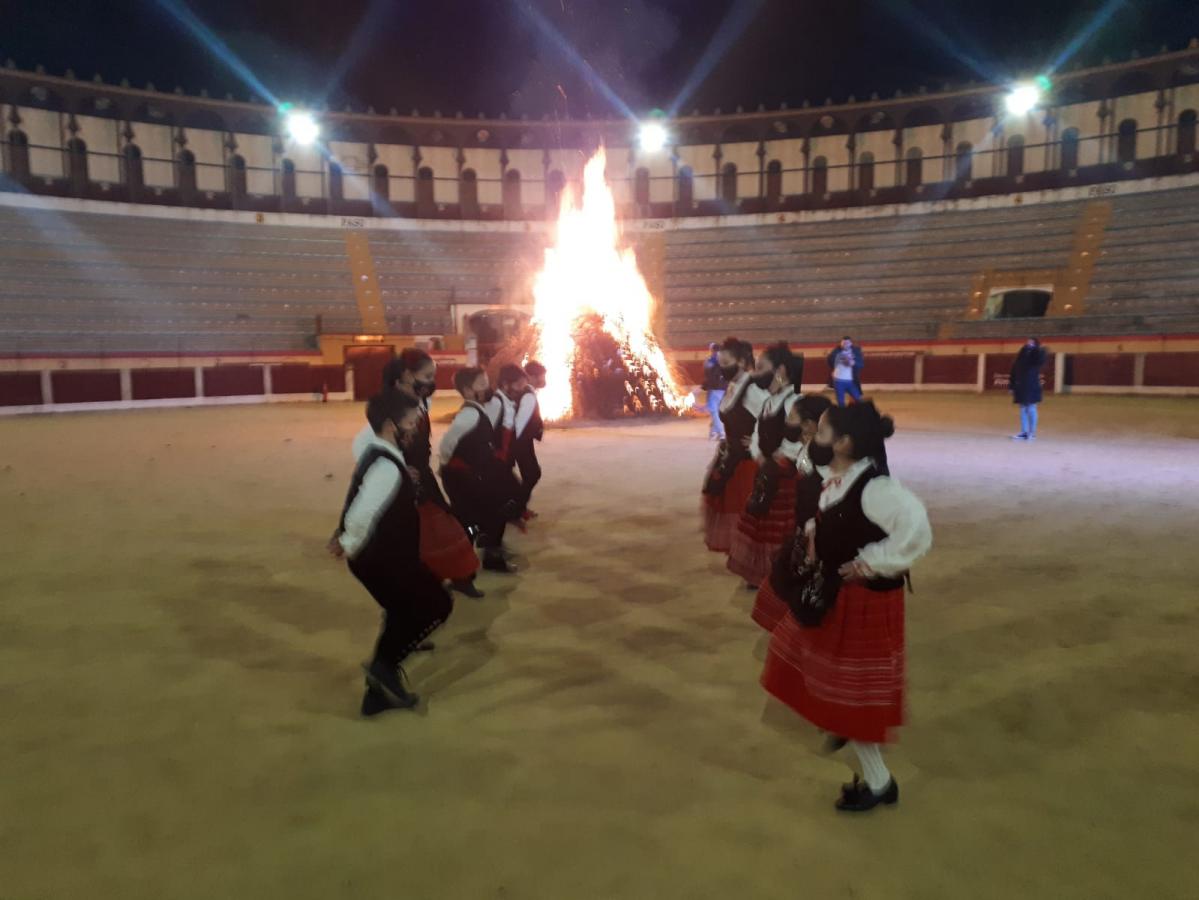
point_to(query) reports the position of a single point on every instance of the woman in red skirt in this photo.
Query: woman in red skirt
(445, 547)
(800, 429)
(843, 670)
(769, 515)
(730, 478)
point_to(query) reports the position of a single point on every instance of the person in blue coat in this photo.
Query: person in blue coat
(1025, 385)
(845, 368)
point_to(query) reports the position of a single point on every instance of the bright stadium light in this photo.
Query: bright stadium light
(300, 125)
(1023, 99)
(652, 137)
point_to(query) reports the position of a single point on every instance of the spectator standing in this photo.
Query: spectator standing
(715, 383)
(1025, 385)
(845, 363)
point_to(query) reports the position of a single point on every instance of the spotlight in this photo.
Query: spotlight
(1023, 99)
(300, 125)
(652, 137)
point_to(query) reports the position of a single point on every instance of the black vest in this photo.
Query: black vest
(477, 447)
(739, 423)
(771, 429)
(535, 430)
(843, 529)
(395, 539)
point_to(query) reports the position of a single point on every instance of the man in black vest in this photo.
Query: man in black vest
(529, 429)
(379, 536)
(482, 489)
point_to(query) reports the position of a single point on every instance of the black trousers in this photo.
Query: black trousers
(525, 454)
(483, 501)
(414, 605)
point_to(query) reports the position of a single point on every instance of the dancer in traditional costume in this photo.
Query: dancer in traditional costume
(800, 428)
(501, 409)
(730, 478)
(379, 535)
(481, 486)
(445, 546)
(769, 515)
(528, 432)
(838, 658)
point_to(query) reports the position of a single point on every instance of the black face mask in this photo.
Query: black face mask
(487, 395)
(793, 433)
(729, 371)
(764, 380)
(424, 388)
(820, 454)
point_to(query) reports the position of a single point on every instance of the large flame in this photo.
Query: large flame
(588, 271)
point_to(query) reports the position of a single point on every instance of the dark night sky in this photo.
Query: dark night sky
(488, 55)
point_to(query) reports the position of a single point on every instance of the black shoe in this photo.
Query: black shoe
(861, 798)
(374, 703)
(467, 586)
(389, 681)
(494, 561)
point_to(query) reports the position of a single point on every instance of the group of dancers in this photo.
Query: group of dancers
(801, 499)
(409, 543)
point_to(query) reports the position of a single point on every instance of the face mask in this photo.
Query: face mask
(764, 380)
(486, 396)
(820, 454)
(793, 433)
(729, 371)
(424, 388)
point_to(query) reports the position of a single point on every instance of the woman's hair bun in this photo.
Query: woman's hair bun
(886, 426)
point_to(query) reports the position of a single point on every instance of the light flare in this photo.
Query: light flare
(587, 270)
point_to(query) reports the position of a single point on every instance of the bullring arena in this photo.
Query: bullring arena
(186, 341)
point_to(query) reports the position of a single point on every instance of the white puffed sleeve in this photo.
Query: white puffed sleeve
(362, 440)
(899, 512)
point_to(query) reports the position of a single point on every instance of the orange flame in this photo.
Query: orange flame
(587, 270)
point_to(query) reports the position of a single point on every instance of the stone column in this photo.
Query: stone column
(980, 383)
(199, 380)
(47, 387)
(126, 385)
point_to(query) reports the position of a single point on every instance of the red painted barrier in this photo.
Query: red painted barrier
(961, 370)
(162, 384)
(1172, 370)
(1101, 370)
(301, 379)
(20, 389)
(233, 381)
(95, 386)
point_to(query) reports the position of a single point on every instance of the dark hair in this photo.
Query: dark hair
(742, 351)
(465, 377)
(780, 355)
(713, 346)
(411, 359)
(846, 337)
(533, 368)
(813, 406)
(388, 406)
(510, 374)
(868, 430)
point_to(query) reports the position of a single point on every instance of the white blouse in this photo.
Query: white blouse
(749, 395)
(786, 398)
(891, 507)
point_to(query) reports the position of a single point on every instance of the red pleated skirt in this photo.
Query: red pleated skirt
(444, 545)
(721, 512)
(756, 540)
(769, 607)
(846, 676)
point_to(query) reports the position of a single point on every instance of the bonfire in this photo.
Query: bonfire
(592, 317)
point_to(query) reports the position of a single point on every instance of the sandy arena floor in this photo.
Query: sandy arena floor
(179, 681)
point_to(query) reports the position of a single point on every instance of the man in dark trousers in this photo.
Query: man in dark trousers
(845, 365)
(478, 478)
(379, 536)
(529, 429)
(715, 384)
(1025, 385)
